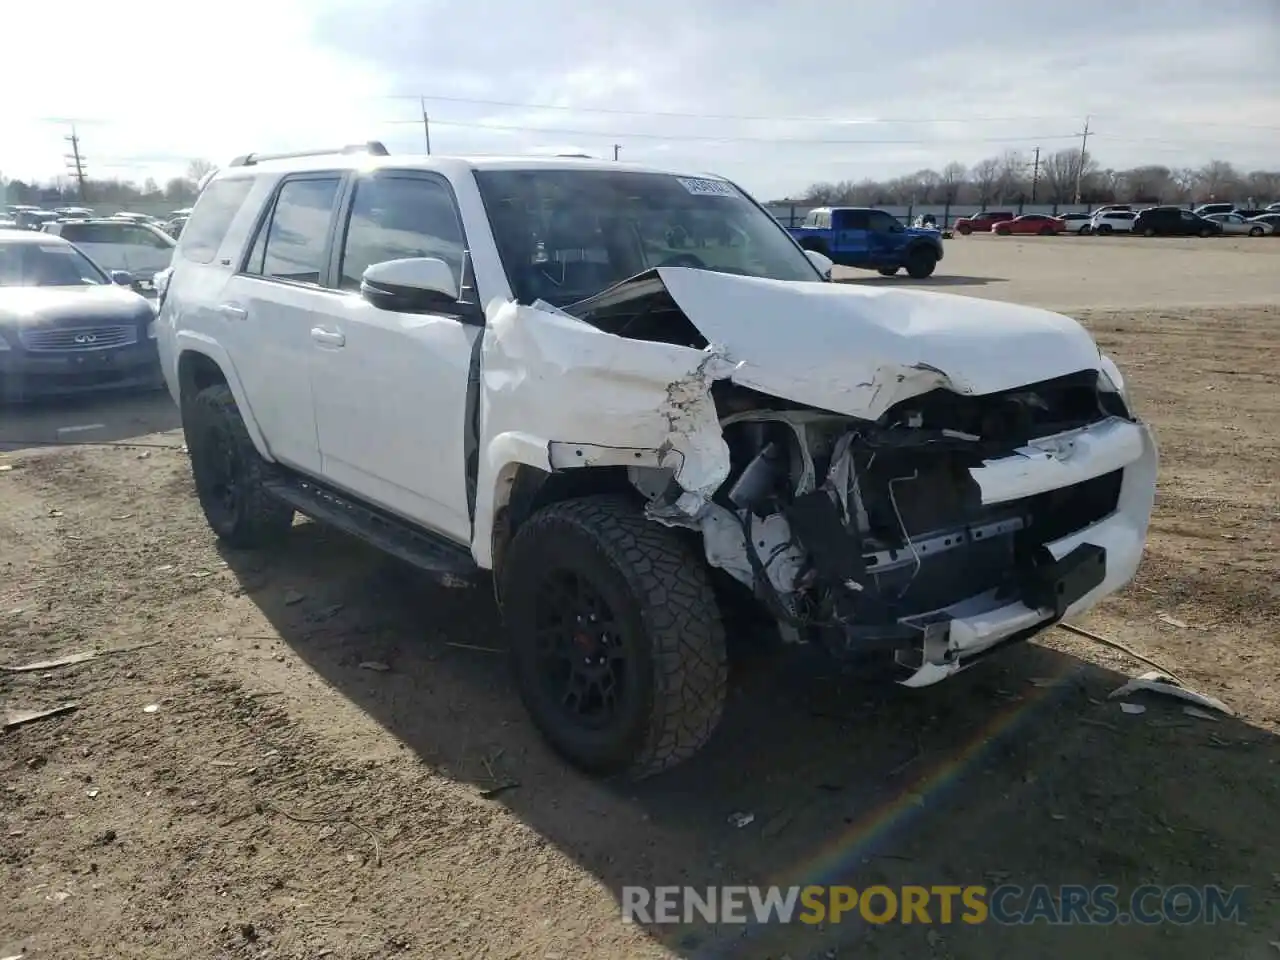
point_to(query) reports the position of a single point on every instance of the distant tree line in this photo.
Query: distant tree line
(1013, 177)
(64, 191)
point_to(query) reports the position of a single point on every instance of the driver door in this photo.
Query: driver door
(390, 388)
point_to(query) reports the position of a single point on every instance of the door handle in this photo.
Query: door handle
(233, 311)
(329, 338)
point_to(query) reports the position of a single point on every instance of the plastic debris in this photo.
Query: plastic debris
(1199, 714)
(151, 708)
(292, 597)
(1155, 682)
(1172, 621)
(1133, 708)
(741, 820)
(377, 665)
(17, 718)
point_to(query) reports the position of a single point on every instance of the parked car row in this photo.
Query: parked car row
(1161, 221)
(28, 217)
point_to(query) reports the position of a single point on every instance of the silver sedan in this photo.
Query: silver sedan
(1233, 223)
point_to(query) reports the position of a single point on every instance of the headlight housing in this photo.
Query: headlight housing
(1112, 390)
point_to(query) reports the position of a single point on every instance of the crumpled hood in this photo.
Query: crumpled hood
(51, 306)
(859, 350)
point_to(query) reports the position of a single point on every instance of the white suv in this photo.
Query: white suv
(637, 402)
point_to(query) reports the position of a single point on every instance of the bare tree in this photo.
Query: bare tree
(820, 194)
(1217, 179)
(197, 169)
(985, 174)
(1184, 182)
(1263, 185)
(953, 175)
(1148, 184)
(1011, 180)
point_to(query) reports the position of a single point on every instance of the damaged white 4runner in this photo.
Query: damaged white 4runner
(633, 398)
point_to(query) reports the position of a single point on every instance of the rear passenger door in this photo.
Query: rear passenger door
(849, 233)
(391, 388)
(270, 305)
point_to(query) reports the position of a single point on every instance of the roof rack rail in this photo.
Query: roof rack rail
(373, 148)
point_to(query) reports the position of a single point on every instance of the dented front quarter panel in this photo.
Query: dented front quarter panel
(554, 387)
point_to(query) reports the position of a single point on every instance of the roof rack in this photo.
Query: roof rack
(373, 148)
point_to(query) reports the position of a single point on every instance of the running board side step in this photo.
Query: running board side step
(448, 562)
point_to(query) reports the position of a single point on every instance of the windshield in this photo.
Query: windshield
(565, 235)
(25, 264)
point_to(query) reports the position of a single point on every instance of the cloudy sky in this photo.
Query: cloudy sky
(776, 95)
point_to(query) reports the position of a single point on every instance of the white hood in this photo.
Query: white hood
(858, 350)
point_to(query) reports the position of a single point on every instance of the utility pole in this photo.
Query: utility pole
(1035, 175)
(426, 123)
(76, 167)
(616, 148)
(1084, 143)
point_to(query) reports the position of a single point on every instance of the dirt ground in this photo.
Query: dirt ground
(245, 785)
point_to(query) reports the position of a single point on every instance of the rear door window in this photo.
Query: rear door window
(211, 218)
(292, 243)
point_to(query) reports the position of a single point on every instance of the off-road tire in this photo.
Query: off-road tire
(659, 591)
(888, 271)
(255, 518)
(921, 262)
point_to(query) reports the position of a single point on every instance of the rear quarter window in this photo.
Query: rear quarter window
(211, 219)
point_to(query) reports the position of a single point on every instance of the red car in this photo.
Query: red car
(1032, 223)
(982, 222)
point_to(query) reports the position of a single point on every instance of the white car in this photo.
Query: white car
(119, 244)
(516, 367)
(1112, 221)
(1076, 222)
(1233, 223)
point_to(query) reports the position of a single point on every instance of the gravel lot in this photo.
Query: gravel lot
(283, 801)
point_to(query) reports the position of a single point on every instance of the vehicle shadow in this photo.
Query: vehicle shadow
(937, 280)
(1018, 771)
(97, 418)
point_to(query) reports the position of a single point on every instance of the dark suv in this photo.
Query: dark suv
(1174, 222)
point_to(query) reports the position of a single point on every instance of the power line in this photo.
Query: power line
(711, 138)
(783, 118)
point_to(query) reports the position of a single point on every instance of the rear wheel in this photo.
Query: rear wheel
(1104, 229)
(616, 638)
(888, 271)
(920, 263)
(230, 476)
(1003, 231)
(964, 230)
(1149, 232)
(1206, 232)
(1256, 231)
(1086, 230)
(1046, 231)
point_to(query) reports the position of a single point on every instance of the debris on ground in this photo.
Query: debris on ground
(377, 665)
(72, 658)
(1172, 621)
(1199, 714)
(1117, 645)
(17, 718)
(1155, 682)
(292, 597)
(1133, 708)
(151, 708)
(741, 820)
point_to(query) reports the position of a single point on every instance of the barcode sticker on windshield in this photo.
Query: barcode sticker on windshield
(707, 188)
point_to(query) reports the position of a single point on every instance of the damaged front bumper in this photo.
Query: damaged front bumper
(1085, 566)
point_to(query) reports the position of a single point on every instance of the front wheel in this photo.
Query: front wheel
(1149, 232)
(1003, 231)
(888, 271)
(1086, 230)
(964, 231)
(1105, 230)
(1206, 233)
(920, 263)
(1255, 231)
(1046, 231)
(616, 639)
(230, 477)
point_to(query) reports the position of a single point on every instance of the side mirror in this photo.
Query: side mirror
(822, 262)
(123, 277)
(412, 285)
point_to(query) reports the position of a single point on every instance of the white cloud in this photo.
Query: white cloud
(1178, 84)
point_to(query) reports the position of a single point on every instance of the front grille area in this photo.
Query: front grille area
(79, 338)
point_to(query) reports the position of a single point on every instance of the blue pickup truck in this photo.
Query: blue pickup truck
(870, 239)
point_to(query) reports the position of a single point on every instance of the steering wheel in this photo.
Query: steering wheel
(684, 260)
